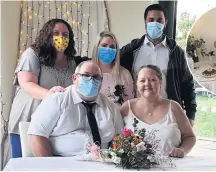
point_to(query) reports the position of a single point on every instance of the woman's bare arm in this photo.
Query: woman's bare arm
(29, 82)
(188, 138)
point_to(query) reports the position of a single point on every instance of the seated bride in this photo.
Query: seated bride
(152, 112)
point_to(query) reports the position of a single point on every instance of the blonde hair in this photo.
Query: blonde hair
(116, 70)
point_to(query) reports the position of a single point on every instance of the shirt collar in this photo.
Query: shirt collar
(164, 43)
(147, 41)
(77, 99)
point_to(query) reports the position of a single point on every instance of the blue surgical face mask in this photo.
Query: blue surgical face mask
(154, 29)
(88, 87)
(106, 55)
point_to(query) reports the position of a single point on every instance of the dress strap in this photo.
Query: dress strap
(170, 108)
(170, 113)
(170, 104)
(130, 113)
(129, 105)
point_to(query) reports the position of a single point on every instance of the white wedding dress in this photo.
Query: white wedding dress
(167, 130)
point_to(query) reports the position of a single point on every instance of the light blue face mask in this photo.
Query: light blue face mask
(88, 87)
(106, 55)
(154, 29)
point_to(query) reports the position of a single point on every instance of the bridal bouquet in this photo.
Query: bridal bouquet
(130, 150)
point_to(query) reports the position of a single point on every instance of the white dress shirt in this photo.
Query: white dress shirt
(62, 118)
(155, 55)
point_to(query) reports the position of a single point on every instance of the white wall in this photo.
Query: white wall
(126, 19)
(10, 12)
(205, 27)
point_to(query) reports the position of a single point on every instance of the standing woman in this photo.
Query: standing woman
(45, 67)
(117, 81)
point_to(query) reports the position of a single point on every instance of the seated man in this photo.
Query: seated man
(65, 121)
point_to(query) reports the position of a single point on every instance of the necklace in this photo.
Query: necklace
(150, 114)
(150, 111)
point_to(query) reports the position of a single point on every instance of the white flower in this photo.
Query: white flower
(121, 151)
(112, 154)
(116, 159)
(141, 146)
(149, 157)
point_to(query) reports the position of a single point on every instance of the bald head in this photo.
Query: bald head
(87, 80)
(88, 67)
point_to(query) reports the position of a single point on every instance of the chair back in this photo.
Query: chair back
(23, 128)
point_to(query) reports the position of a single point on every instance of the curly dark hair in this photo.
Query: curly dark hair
(43, 43)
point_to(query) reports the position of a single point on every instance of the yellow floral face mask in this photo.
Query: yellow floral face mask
(60, 42)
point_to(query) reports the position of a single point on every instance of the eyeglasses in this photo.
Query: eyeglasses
(88, 77)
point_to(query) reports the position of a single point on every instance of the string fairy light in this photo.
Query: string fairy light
(77, 22)
(71, 15)
(27, 25)
(32, 20)
(49, 9)
(107, 20)
(88, 27)
(61, 8)
(81, 21)
(56, 9)
(43, 13)
(38, 23)
(67, 12)
(77, 13)
(20, 31)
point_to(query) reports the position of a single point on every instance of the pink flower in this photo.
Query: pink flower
(126, 132)
(95, 150)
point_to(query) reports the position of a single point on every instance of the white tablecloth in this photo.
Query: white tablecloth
(68, 164)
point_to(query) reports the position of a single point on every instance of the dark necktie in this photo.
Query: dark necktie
(92, 123)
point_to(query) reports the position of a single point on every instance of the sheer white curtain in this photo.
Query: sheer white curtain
(87, 19)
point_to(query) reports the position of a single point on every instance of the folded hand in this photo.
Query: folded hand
(177, 152)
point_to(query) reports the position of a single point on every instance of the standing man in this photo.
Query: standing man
(157, 49)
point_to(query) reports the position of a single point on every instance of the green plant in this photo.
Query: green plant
(196, 47)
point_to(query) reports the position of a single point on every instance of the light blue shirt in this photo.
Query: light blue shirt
(62, 119)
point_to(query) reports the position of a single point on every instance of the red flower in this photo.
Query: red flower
(126, 132)
(115, 146)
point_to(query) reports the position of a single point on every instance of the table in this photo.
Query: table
(188, 163)
(208, 83)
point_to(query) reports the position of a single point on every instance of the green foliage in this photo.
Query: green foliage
(205, 122)
(183, 26)
(197, 45)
